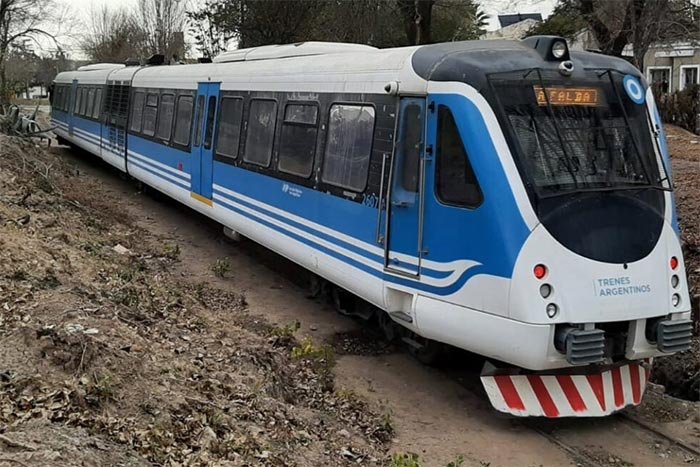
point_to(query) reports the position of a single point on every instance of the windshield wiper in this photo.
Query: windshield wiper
(605, 189)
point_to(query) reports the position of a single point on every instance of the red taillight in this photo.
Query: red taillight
(674, 262)
(540, 271)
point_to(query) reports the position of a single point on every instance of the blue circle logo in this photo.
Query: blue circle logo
(634, 89)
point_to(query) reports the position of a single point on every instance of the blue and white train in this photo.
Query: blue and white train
(513, 199)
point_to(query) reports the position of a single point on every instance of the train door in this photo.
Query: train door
(71, 106)
(403, 249)
(114, 119)
(203, 141)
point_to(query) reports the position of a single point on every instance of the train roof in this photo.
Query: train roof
(89, 74)
(335, 67)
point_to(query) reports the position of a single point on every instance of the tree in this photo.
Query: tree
(163, 23)
(617, 24)
(209, 28)
(457, 20)
(417, 16)
(380, 23)
(21, 22)
(113, 35)
(565, 21)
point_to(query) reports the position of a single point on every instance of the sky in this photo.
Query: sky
(490, 7)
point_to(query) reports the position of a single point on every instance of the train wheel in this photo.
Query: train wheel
(389, 328)
(426, 351)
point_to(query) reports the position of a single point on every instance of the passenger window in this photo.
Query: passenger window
(228, 136)
(198, 124)
(410, 146)
(348, 146)
(211, 114)
(183, 120)
(137, 111)
(76, 106)
(456, 182)
(150, 114)
(98, 104)
(261, 132)
(83, 102)
(298, 139)
(165, 121)
(90, 103)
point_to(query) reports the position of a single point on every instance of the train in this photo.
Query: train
(510, 198)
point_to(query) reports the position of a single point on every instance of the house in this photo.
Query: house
(514, 27)
(507, 20)
(673, 66)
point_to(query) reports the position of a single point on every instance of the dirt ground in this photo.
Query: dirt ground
(680, 374)
(133, 333)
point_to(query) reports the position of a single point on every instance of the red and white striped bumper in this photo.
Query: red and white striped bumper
(568, 395)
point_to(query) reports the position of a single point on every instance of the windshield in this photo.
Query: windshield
(571, 135)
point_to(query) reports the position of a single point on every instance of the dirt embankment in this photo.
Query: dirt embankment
(108, 356)
(680, 373)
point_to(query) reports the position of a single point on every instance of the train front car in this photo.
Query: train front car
(578, 273)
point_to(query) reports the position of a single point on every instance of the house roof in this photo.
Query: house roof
(507, 20)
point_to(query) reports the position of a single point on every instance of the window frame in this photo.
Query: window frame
(89, 106)
(247, 129)
(165, 92)
(438, 196)
(670, 76)
(83, 101)
(97, 104)
(681, 85)
(174, 143)
(324, 159)
(215, 146)
(316, 125)
(133, 108)
(146, 106)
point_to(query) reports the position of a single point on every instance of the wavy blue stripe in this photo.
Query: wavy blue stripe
(152, 171)
(341, 243)
(148, 160)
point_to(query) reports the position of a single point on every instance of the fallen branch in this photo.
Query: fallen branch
(16, 444)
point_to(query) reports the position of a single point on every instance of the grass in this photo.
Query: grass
(405, 460)
(221, 267)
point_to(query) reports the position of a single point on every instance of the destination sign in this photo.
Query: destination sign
(567, 96)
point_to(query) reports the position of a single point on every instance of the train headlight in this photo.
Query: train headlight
(558, 49)
(552, 310)
(675, 300)
(674, 281)
(545, 290)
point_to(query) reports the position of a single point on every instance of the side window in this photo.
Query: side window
(98, 104)
(411, 143)
(298, 139)
(211, 114)
(261, 132)
(76, 105)
(137, 111)
(456, 182)
(228, 137)
(90, 102)
(83, 101)
(183, 120)
(348, 146)
(165, 121)
(198, 123)
(150, 114)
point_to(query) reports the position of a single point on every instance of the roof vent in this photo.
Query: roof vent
(132, 62)
(298, 49)
(156, 59)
